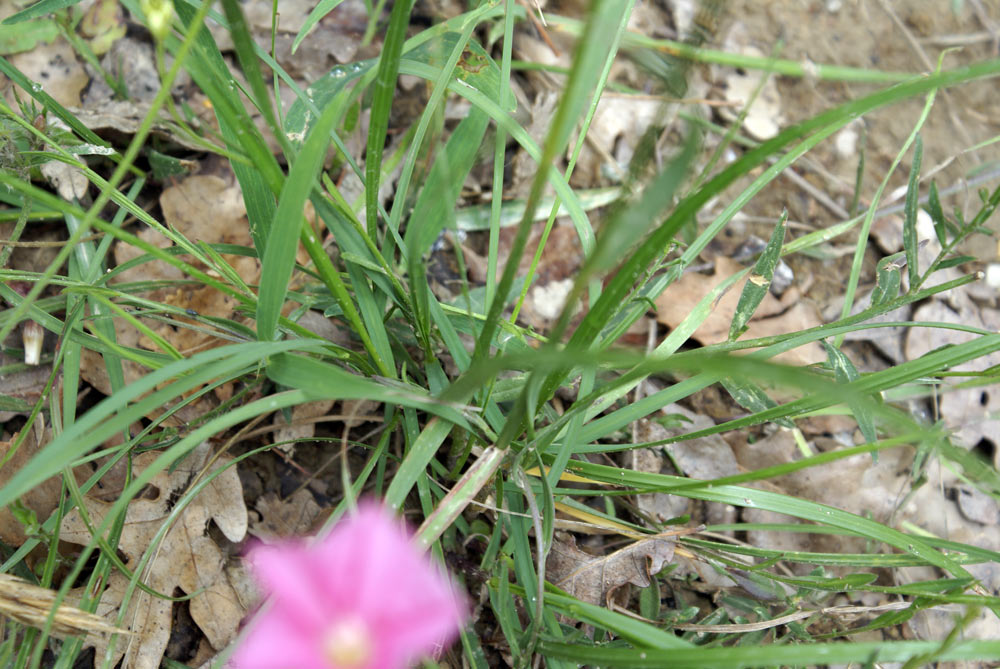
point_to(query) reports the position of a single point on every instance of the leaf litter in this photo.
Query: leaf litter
(186, 558)
(593, 578)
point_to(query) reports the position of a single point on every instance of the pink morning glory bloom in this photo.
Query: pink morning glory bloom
(365, 597)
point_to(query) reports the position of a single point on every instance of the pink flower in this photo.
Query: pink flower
(363, 597)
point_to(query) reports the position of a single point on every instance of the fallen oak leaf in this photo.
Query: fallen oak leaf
(185, 559)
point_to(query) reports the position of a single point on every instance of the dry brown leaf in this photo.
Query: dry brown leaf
(68, 180)
(772, 316)
(203, 208)
(281, 518)
(704, 458)
(594, 578)
(23, 382)
(26, 383)
(55, 67)
(126, 116)
(299, 428)
(186, 559)
(42, 498)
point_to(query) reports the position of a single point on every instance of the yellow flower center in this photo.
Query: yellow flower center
(348, 644)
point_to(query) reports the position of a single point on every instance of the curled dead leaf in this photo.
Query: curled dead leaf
(595, 578)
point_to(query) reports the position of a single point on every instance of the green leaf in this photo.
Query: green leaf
(770, 501)
(322, 92)
(752, 397)
(279, 255)
(260, 180)
(8, 403)
(936, 213)
(888, 279)
(476, 69)
(910, 212)
(435, 206)
(39, 9)
(807, 654)
(378, 124)
(955, 261)
(319, 11)
(649, 599)
(20, 38)
(627, 627)
(845, 372)
(165, 166)
(115, 413)
(759, 281)
(250, 64)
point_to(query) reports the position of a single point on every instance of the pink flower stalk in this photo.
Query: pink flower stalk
(365, 597)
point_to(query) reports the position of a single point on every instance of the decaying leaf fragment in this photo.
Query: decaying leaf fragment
(595, 578)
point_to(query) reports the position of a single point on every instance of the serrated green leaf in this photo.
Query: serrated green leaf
(165, 166)
(476, 69)
(759, 281)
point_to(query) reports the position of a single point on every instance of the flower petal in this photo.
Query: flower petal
(275, 641)
(286, 571)
(367, 569)
(376, 569)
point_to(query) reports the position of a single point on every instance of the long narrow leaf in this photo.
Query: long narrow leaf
(910, 213)
(385, 86)
(279, 255)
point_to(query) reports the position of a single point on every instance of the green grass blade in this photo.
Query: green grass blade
(279, 255)
(590, 55)
(769, 501)
(318, 12)
(385, 87)
(247, 55)
(845, 372)
(839, 653)
(116, 413)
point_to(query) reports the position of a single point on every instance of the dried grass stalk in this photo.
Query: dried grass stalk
(31, 605)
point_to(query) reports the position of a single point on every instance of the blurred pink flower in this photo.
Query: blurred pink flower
(363, 597)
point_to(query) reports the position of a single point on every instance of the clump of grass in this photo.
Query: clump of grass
(492, 425)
